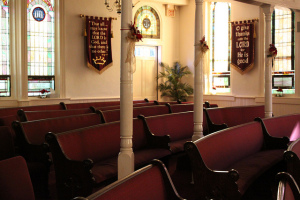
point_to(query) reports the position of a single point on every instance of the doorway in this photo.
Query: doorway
(144, 77)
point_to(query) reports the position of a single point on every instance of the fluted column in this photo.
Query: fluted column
(268, 10)
(198, 76)
(126, 156)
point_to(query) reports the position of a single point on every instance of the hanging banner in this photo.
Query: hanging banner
(98, 43)
(242, 46)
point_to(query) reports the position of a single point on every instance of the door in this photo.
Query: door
(144, 77)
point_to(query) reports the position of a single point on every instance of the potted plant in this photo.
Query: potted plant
(172, 85)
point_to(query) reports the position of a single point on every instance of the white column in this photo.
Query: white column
(198, 76)
(268, 10)
(126, 156)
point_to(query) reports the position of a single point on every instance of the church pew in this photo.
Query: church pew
(288, 189)
(30, 136)
(221, 118)
(151, 182)
(287, 125)
(15, 183)
(291, 157)
(114, 115)
(174, 108)
(13, 110)
(36, 115)
(70, 106)
(86, 159)
(226, 163)
(178, 126)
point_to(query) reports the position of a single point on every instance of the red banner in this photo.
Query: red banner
(242, 46)
(98, 43)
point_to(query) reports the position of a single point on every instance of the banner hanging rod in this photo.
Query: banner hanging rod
(113, 18)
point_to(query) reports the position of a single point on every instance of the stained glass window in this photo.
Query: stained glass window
(283, 25)
(40, 42)
(4, 58)
(147, 21)
(220, 46)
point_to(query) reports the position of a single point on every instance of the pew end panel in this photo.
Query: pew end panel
(288, 189)
(218, 184)
(272, 142)
(212, 127)
(73, 177)
(157, 141)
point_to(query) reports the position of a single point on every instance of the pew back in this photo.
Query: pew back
(7, 149)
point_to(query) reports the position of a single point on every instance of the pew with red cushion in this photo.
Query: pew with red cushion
(287, 125)
(37, 115)
(288, 189)
(15, 183)
(220, 118)
(151, 182)
(114, 115)
(225, 163)
(86, 159)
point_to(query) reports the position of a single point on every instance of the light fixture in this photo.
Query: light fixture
(116, 4)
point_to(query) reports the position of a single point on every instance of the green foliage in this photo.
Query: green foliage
(172, 86)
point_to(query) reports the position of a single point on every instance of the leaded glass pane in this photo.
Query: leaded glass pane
(147, 21)
(4, 41)
(220, 46)
(40, 41)
(283, 38)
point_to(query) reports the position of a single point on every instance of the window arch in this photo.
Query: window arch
(147, 21)
(283, 37)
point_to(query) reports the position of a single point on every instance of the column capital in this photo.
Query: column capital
(199, 1)
(267, 8)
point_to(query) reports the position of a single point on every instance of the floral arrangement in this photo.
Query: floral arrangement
(214, 88)
(203, 45)
(279, 92)
(134, 34)
(43, 91)
(272, 51)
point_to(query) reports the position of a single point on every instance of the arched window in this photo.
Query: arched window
(283, 36)
(40, 42)
(5, 46)
(220, 46)
(147, 21)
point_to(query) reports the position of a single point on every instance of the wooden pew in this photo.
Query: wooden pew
(221, 118)
(114, 115)
(70, 106)
(287, 125)
(86, 159)
(14, 110)
(15, 183)
(223, 162)
(178, 126)
(30, 136)
(151, 182)
(288, 189)
(37, 115)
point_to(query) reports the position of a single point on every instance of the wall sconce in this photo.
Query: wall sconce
(116, 4)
